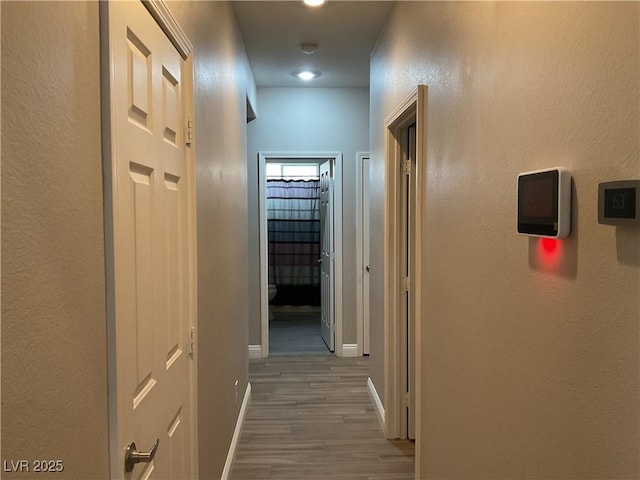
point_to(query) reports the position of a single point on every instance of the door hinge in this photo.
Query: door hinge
(406, 400)
(192, 340)
(407, 167)
(188, 132)
(405, 284)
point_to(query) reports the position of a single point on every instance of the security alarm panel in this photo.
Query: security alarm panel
(544, 203)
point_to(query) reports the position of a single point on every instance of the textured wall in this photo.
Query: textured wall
(54, 362)
(307, 120)
(530, 360)
(222, 82)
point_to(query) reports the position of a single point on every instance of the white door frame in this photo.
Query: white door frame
(362, 300)
(413, 108)
(160, 12)
(263, 158)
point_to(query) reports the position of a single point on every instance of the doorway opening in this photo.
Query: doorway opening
(405, 136)
(300, 252)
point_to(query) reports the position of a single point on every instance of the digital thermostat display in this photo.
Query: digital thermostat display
(544, 203)
(619, 203)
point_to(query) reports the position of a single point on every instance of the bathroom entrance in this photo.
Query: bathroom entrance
(299, 252)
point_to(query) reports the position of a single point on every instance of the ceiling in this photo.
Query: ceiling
(345, 31)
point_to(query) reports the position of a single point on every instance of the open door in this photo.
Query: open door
(149, 194)
(331, 245)
(327, 256)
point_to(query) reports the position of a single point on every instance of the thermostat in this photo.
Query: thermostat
(619, 203)
(544, 203)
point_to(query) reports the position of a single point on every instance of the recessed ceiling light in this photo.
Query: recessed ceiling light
(313, 3)
(306, 75)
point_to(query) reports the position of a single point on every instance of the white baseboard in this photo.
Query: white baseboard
(255, 351)
(350, 350)
(376, 402)
(231, 455)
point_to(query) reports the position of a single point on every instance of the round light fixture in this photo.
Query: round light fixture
(306, 75)
(313, 3)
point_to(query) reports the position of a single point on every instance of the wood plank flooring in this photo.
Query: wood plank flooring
(311, 418)
(296, 333)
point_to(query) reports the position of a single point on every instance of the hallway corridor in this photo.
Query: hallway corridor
(311, 418)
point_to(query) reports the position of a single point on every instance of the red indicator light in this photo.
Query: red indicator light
(549, 253)
(549, 245)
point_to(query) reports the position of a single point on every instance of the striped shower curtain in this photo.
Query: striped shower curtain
(293, 217)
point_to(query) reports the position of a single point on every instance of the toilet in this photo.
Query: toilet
(272, 293)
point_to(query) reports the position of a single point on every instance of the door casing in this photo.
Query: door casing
(263, 158)
(411, 110)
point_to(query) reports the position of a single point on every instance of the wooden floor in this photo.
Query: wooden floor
(311, 418)
(296, 333)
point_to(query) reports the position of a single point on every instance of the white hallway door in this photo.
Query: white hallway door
(327, 256)
(408, 223)
(366, 260)
(152, 280)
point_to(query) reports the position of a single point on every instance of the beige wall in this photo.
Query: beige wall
(530, 364)
(54, 361)
(222, 82)
(310, 120)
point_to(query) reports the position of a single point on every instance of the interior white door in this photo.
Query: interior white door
(366, 261)
(408, 268)
(151, 394)
(327, 291)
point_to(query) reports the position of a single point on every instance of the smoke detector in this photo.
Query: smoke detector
(309, 48)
